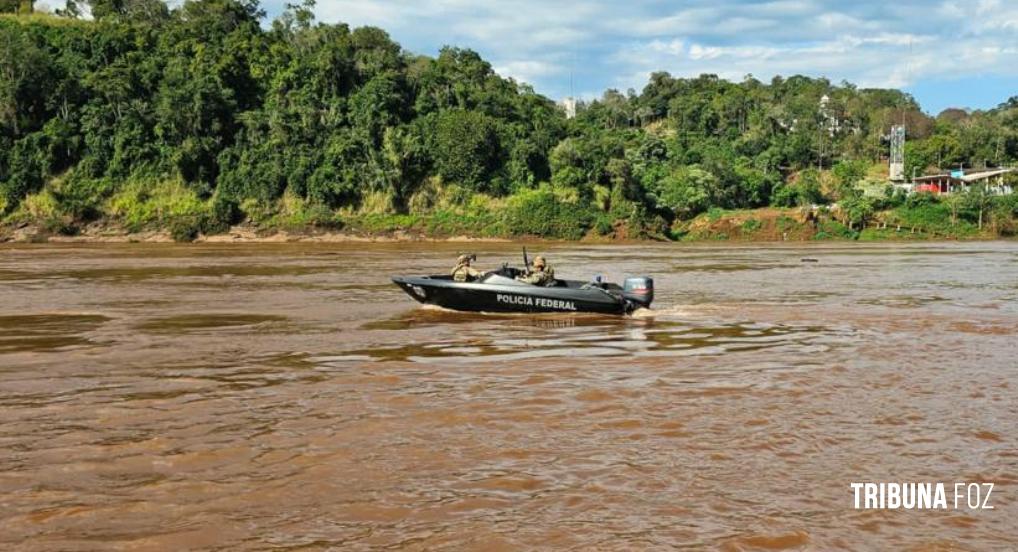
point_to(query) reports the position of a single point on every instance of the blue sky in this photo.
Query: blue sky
(948, 53)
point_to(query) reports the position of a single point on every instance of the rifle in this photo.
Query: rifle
(526, 261)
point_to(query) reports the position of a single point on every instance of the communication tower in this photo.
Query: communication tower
(569, 103)
(897, 172)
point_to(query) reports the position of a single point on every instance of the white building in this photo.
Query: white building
(569, 105)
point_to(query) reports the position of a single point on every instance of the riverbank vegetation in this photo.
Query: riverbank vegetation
(204, 116)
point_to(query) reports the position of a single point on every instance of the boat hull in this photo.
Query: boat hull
(510, 297)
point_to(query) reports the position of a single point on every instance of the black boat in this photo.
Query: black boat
(500, 291)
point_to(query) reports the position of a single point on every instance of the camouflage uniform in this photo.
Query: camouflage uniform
(463, 272)
(541, 275)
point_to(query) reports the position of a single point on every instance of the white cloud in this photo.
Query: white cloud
(528, 70)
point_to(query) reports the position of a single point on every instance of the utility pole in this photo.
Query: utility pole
(820, 149)
(821, 126)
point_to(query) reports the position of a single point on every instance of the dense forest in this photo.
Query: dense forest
(206, 115)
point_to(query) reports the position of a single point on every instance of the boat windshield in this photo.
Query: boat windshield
(499, 277)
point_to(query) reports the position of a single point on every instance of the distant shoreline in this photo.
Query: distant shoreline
(239, 234)
(720, 231)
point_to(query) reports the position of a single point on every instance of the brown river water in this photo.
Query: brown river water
(288, 396)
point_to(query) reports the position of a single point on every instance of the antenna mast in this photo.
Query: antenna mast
(569, 103)
(897, 161)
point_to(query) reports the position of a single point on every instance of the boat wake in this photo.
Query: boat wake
(436, 308)
(674, 311)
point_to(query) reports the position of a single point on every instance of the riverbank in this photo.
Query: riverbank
(103, 210)
(235, 234)
(748, 225)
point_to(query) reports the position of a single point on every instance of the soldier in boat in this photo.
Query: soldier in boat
(463, 272)
(539, 273)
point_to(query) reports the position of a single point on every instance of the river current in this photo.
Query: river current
(288, 396)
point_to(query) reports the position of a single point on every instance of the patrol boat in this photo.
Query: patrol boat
(500, 291)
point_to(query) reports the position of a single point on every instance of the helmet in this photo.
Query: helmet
(539, 261)
(463, 259)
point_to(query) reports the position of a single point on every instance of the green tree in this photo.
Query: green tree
(849, 174)
(955, 202)
(686, 191)
(405, 163)
(979, 199)
(24, 76)
(856, 210)
(465, 148)
(132, 10)
(17, 6)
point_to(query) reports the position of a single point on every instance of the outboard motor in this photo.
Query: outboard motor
(639, 291)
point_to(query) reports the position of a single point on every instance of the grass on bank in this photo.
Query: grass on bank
(69, 204)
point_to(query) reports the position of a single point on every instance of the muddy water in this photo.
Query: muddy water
(288, 396)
